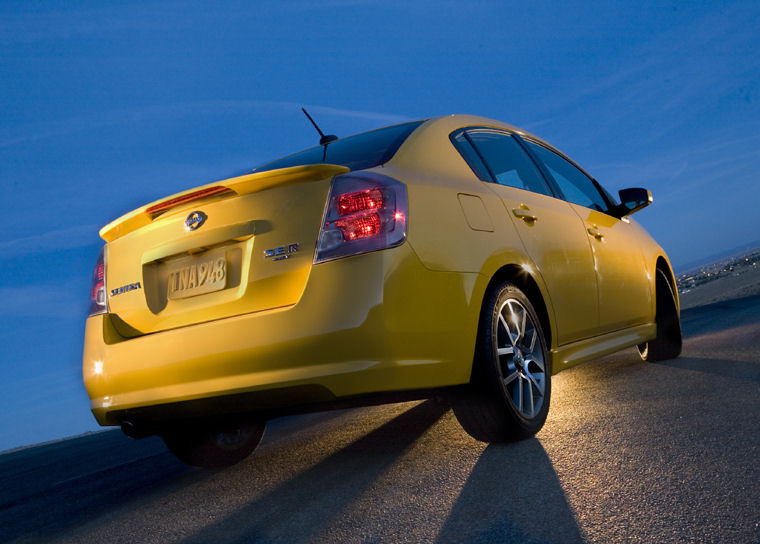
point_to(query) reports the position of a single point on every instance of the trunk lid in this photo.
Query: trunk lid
(233, 247)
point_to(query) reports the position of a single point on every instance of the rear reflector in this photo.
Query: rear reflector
(184, 199)
(365, 212)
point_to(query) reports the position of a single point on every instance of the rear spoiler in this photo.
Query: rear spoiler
(241, 185)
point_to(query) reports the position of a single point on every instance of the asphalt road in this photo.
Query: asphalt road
(631, 452)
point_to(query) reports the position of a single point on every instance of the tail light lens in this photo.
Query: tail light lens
(365, 212)
(98, 302)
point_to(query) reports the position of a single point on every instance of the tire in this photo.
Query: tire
(214, 448)
(508, 395)
(667, 344)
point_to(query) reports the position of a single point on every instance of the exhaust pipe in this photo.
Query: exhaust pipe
(133, 431)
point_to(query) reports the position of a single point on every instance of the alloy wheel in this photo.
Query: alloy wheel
(520, 357)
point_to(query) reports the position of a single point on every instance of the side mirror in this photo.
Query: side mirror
(632, 200)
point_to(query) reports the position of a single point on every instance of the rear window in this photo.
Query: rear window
(365, 150)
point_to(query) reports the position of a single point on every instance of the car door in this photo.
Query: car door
(622, 276)
(551, 232)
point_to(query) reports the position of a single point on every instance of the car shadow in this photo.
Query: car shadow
(723, 368)
(50, 489)
(47, 489)
(512, 495)
(720, 316)
(718, 328)
(303, 506)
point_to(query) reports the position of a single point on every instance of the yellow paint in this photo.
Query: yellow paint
(401, 318)
(368, 323)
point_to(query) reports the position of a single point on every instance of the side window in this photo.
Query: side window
(508, 162)
(471, 156)
(576, 186)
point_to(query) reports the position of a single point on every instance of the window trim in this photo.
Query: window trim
(611, 206)
(551, 184)
(523, 141)
(463, 132)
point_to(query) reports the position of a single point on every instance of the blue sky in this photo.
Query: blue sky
(106, 107)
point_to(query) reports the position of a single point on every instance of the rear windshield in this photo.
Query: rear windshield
(365, 150)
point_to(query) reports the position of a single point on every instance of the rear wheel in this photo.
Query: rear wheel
(508, 396)
(667, 344)
(214, 447)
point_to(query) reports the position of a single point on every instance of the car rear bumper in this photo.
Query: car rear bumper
(370, 323)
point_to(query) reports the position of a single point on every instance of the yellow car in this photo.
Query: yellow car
(456, 254)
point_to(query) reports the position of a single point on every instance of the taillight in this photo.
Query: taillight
(365, 212)
(98, 302)
(369, 199)
(359, 226)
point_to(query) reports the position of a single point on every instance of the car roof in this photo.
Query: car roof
(437, 127)
(456, 121)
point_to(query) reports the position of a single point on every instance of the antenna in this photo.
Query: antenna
(323, 140)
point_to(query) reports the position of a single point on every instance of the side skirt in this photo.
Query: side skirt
(583, 350)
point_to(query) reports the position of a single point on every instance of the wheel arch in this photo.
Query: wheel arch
(663, 265)
(523, 280)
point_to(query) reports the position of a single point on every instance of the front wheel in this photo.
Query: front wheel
(508, 396)
(214, 447)
(667, 344)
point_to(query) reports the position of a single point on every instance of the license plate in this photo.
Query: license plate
(199, 275)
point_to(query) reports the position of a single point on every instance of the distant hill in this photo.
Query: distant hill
(736, 251)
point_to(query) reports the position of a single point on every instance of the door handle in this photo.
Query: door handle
(524, 214)
(593, 231)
